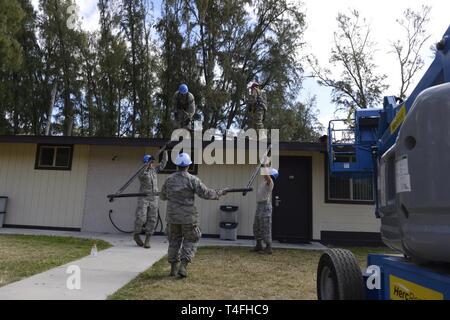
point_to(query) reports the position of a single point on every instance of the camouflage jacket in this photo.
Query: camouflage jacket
(257, 101)
(179, 190)
(149, 177)
(184, 106)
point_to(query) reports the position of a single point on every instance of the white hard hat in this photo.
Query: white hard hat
(183, 160)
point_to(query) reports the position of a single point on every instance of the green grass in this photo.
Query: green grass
(235, 273)
(23, 256)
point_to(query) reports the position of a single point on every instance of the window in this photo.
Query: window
(51, 157)
(357, 190)
(350, 189)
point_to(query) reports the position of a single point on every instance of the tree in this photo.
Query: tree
(91, 116)
(62, 47)
(21, 87)
(358, 85)
(139, 64)
(408, 50)
(120, 80)
(106, 76)
(271, 53)
(170, 73)
(179, 61)
(298, 122)
(11, 16)
(219, 54)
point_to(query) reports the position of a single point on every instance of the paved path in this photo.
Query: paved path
(104, 274)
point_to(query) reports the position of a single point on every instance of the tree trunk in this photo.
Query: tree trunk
(50, 108)
(68, 114)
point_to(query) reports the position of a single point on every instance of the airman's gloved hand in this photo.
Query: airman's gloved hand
(222, 192)
(266, 161)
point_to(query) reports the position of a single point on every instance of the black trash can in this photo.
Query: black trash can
(3, 203)
(228, 231)
(228, 213)
(228, 222)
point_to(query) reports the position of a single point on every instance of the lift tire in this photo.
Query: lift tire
(339, 276)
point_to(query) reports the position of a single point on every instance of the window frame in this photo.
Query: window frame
(37, 165)
(344, 201)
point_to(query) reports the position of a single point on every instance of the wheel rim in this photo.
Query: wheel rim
(327, 289)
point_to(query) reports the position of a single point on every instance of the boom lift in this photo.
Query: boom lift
(405, 146)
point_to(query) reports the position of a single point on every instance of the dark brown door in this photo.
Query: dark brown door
(292, 200)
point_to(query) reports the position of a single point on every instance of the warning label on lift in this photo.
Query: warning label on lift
(398, 120)
(405, 290)
(402, 178)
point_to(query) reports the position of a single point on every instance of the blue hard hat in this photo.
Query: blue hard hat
(274, 173)
(148, 158)
(183, 89)
(183, 160)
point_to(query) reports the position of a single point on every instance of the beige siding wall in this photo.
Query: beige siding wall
(227, 176)
(218, 177)
(106, 176)
(77, 198)
(42, 197)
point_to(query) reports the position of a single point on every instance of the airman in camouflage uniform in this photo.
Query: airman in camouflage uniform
(262, 226)
(182, 217)
(257, 107)
(184, 108)
(147, 209)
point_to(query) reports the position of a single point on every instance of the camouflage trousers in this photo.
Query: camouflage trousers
(146, 214)
(183, 122)
(256, 119)
(183, 241)
(262, 226)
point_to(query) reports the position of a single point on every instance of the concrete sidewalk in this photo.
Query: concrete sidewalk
(101, 276)
(104, 274)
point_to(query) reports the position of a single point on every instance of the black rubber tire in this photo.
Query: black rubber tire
(341, 271)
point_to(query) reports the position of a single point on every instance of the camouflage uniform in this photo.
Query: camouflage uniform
(262, 226)
(257, 107)
(182, 217)
(184, 108)
(147, 209)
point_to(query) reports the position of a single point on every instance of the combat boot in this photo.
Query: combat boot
(258, 247)
(182, 271)
(138, 240)
(147, 242)
(267, 250)
(173, 269)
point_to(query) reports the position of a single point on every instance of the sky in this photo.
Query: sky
(321, 24)
(382, 15)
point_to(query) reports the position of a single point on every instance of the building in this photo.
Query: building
(62, 183)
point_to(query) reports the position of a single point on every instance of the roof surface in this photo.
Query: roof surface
(137, 142)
